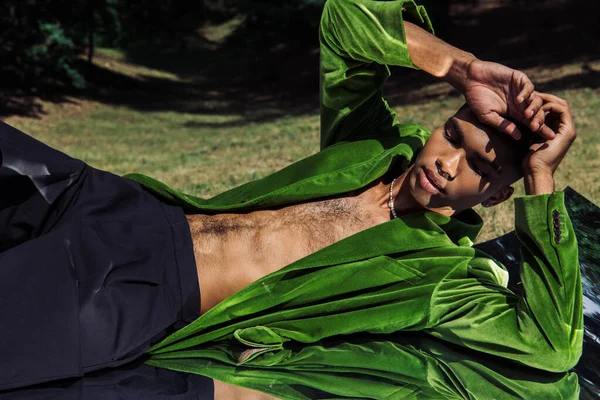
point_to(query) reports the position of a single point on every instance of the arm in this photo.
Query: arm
(544, 327)
(360, 38)
(492, 91)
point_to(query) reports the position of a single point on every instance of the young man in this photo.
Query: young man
(368, 237)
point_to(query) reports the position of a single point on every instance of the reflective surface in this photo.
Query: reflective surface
(585, 217)
(440, 369)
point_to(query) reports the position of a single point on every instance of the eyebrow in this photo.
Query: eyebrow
(493, 165)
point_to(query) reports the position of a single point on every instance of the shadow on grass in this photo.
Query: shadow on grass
(260, 75)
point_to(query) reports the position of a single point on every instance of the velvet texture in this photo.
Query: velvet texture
(320, 327)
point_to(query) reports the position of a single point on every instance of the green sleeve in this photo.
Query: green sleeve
(542, 328)
(358, 40)
(395, 367)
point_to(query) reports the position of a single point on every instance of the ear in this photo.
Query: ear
(501, 195)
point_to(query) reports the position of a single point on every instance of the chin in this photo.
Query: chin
(419, 194)
(427, 200)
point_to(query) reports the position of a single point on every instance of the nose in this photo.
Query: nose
(447, 166)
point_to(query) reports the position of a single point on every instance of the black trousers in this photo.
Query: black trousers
(93, 269)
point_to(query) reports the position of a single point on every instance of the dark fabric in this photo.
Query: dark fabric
(93, 269)
(133, 381)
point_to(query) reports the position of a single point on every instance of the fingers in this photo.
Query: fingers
(554, 117)
(537, 125)
(536, 117)
(561, 113)
(526, 91)
(501, 124)
(546, 132)
(550, 98)
(549, 154)
(540, 121)
(534, 105)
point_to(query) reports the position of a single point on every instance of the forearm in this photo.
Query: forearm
(366, 31)
(358, 40)
(550, 271)
(437, 57)
(543, 328)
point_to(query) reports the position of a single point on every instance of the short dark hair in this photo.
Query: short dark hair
(521, 146)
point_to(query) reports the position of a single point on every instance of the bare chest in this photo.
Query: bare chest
(234, 250)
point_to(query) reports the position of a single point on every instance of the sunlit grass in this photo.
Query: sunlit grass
(181, 150)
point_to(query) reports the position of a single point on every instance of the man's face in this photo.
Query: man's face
(462, 164)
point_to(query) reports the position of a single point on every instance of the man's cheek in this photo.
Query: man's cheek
(462, 191)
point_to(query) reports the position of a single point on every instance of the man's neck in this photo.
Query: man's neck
(404, 202)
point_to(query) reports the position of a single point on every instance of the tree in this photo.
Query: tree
(42, 39)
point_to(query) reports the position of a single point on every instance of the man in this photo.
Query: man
(366, 237)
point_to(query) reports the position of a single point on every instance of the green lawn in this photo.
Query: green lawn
(207, 154)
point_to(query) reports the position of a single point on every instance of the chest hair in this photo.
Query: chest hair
(318, 223)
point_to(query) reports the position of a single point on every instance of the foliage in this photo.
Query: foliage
(45, 39)
(42, 39)
(52, 54)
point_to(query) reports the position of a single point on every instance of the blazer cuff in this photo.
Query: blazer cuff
(544, 216)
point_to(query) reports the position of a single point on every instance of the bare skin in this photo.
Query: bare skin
(231, 392)
(234, 250)
(456, 170)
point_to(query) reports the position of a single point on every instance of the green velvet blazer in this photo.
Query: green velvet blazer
(329, 325)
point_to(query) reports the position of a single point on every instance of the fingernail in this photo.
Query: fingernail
(521, 99)
(529, 113)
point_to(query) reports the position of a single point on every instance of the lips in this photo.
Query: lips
(428, 182)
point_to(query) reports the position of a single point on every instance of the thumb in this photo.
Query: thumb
(501, 124)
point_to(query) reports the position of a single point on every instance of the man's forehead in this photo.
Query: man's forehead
(490, 137)
(490, 144)
(466, 115)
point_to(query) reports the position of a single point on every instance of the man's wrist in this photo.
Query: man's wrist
(459, 69)
(540, 183)
(437, 57)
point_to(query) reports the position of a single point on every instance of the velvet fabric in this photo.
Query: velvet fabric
(320, 327)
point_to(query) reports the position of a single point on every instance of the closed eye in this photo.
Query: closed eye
(477, 170)
(455, 137)
(448, 135)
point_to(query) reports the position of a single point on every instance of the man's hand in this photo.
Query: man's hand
(494, 91)
(543, 159)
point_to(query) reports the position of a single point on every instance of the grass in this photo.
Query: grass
(205, 154)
